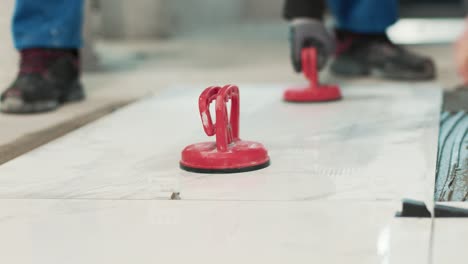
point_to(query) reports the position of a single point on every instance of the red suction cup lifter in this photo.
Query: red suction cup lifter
(229, 154)
(316, 92)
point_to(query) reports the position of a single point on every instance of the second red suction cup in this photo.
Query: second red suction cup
(315, 92)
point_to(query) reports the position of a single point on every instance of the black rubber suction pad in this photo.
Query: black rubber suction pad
(225, 171)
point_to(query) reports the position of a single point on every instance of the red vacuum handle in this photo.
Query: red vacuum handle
(227, 125)
(309, 65)
(204, 101)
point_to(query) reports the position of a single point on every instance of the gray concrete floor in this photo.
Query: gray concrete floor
(130, 70)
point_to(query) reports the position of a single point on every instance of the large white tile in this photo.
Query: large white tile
(380, 143)
(407, 240)
(122, 232)
(450, 240)
(449, 237)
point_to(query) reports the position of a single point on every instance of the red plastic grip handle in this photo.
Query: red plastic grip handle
(309, 65)
(227, 125)
(204, 102)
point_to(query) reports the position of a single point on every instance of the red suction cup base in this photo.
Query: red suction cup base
(324, 93)
(241, 156)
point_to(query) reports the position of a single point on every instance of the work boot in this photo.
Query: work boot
(47, 78)
(365, 54)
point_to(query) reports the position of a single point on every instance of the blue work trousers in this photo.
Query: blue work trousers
(48, 24)
(364, 16)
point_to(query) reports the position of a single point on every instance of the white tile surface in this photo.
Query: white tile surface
(409, 241)
(122, 232)
(380, 143)
(338, 173)
(427, 31)
(450, 237)
(450, 241)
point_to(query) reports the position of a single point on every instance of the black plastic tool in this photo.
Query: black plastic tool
(418, 209)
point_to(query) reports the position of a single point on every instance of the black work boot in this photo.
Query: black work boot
(366, 54)
(47, 78)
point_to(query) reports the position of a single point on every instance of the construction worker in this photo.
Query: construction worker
(362, 46)
(48, 35)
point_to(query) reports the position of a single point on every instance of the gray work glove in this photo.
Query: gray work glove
(307, 32)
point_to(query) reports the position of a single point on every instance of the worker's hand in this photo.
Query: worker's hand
(306, 32)
(461, 56)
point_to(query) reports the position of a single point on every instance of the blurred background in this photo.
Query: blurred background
(222, 40)
(146, 20)
(162, 18)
